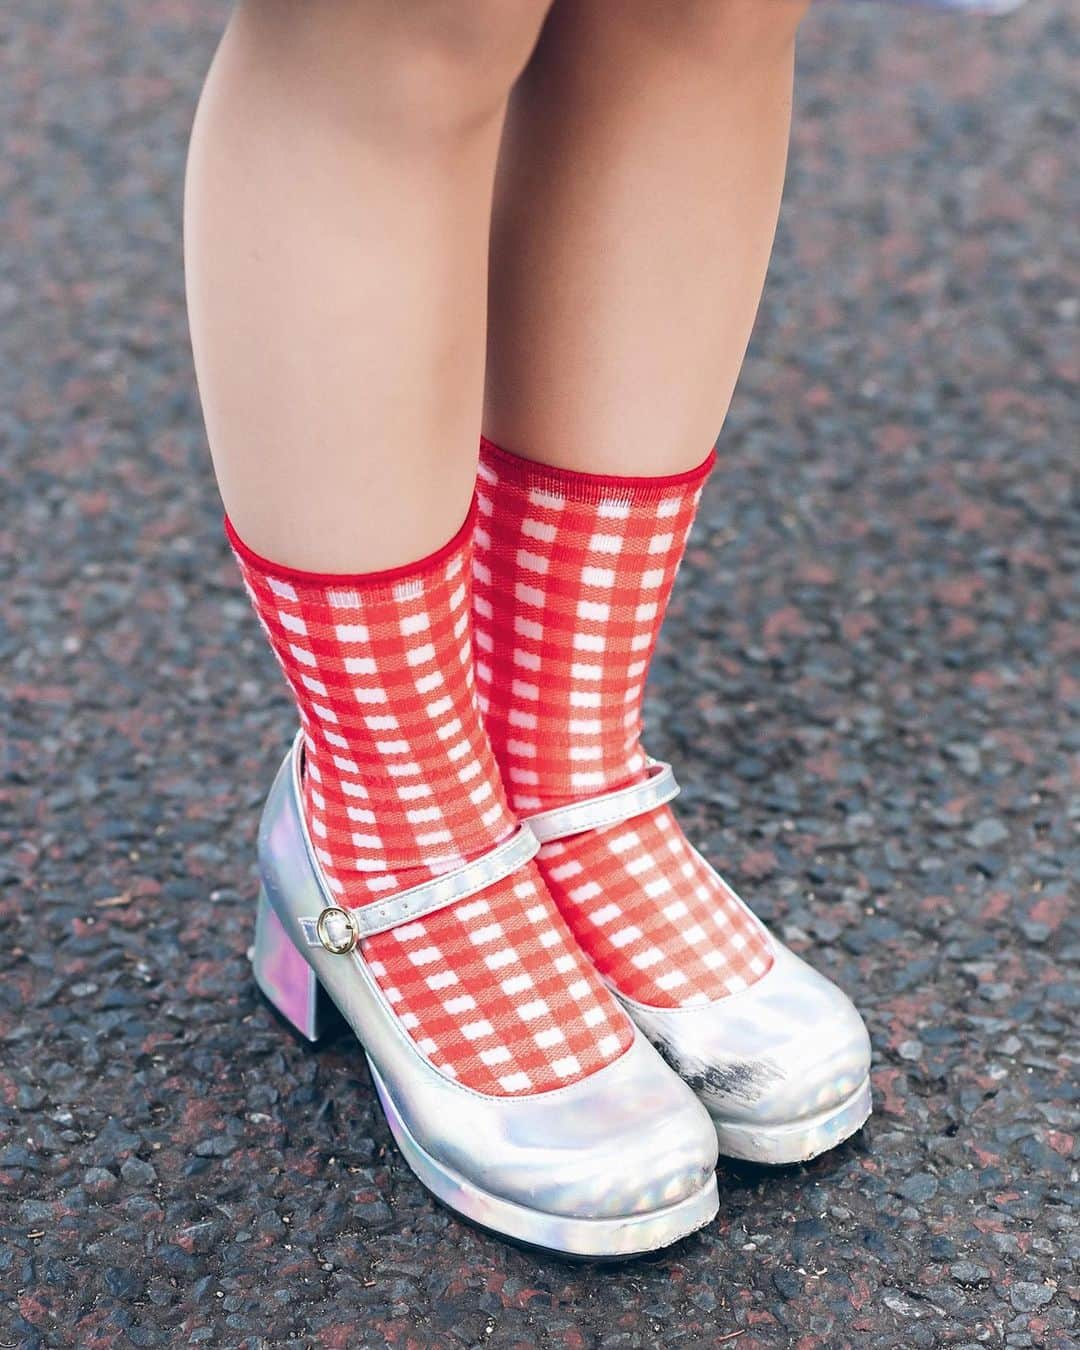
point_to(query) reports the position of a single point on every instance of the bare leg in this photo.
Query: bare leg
(635, 206)
(338, 213)
(636, 201)
(336, 232)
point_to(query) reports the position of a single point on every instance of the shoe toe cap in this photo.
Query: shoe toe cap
(817, 1067)
(631, 1139)
(789, 1047)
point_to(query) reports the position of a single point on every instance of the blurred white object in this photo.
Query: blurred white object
(962, 6)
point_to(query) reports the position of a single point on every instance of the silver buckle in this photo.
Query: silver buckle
(338, 930)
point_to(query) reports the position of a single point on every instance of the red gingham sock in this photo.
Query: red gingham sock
(400, 785)
(572, 577)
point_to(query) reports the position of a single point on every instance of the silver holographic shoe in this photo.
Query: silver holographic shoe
(615, 1164)
(783, 1066)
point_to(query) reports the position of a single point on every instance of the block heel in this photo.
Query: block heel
(286, 979)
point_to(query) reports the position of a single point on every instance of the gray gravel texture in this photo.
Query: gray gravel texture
(869, 682)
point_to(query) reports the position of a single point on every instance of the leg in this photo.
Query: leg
(336, 229)
(338, 211)
(637, 196)
(635, 207)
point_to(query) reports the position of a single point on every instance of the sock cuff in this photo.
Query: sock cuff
(387, 577)
(578, 486)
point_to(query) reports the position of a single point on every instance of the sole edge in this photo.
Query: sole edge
(598, 1239)
(801, 1140)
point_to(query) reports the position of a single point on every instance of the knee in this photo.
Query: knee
(463, 55)
(470, 37)
(727, 30)
(432, 64)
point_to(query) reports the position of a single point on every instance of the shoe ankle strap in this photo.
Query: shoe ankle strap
(339, 930)
(610, 808)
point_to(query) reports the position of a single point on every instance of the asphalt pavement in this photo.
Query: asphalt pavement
(868, 682)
